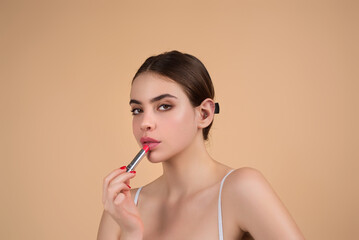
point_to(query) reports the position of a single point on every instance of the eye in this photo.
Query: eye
(136, 111)
(164, 107)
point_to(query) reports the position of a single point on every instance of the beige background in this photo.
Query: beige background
(285, 73)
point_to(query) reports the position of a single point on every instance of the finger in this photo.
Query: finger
(119, 199)
(129, 185)
(116, 189)
(109, 177)
(123, 177)
(113, 174)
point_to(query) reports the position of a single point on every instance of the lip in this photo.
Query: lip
(151, 142)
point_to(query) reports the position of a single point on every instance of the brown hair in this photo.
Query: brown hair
(187, 71)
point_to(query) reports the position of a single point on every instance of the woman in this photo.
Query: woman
(196, 197)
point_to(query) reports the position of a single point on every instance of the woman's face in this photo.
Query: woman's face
(163, 117)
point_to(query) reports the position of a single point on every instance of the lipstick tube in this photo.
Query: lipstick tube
(137, 159)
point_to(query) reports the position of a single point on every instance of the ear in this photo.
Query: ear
(205, 113)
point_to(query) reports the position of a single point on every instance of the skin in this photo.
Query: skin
(182, 203)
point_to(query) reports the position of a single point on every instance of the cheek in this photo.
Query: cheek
(180, 126)
(136, 129)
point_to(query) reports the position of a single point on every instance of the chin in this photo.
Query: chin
(155, 158)
(159, 156)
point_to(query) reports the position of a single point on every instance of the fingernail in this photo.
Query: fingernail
(133, 172)
(123, 167)
(128, 186)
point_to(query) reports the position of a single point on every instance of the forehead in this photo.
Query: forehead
(149, 85)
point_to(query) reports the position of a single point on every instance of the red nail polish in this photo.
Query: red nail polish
(133, 172)
(128, 186)
(123, 167)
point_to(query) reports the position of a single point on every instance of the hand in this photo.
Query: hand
(118, 203)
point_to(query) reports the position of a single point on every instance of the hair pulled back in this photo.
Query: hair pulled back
(187, 71)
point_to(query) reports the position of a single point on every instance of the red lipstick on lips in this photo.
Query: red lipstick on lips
(152, 143)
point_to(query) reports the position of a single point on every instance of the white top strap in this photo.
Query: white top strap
(220, 224)
(137, 194)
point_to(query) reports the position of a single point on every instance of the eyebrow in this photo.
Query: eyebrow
(155, 99)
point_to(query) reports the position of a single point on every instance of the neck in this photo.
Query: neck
(189, 171)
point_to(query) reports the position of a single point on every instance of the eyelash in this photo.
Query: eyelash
(134, 111)
(137, 111)
(167, 107)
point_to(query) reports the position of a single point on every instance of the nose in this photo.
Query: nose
(148, 121)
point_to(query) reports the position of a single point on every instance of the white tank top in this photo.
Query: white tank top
(220, 224)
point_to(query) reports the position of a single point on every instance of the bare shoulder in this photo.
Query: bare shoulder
(243, 178)
(256, 207)
(246, 185)
(246, 172)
